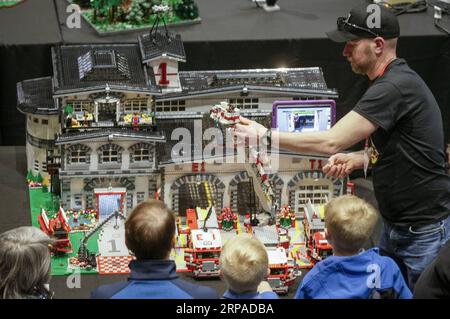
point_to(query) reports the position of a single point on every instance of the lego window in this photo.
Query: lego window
(36, 165)
(78, 202)
(131, 106)
(141, 155)
(171, 106)
(140, 197)
(141, 152)
(110, 153)
(89, 200)
(81, 106)
(44, 122)
(245, 104)
(318, 194)
(78, 157)
(109, 156)
(277, 271)
(208, 255)
(129, 200)
(78, 154)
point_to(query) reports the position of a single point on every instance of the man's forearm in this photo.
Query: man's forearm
(317, 142)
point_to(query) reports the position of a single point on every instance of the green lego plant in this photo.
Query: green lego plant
(68, 109)
(187, 9)
(138, 10)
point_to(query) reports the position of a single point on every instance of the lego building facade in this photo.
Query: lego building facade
(104, 123)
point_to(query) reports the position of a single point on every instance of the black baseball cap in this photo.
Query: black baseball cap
(362, 22)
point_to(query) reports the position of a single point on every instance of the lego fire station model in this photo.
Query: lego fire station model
(119, 123)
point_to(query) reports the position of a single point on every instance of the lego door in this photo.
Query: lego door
(247, 202)
(107, 111)
(192, 195)
(108, 203)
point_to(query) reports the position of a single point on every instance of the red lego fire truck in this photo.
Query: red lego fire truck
(204, 243)
(317, 246)
(282, 270)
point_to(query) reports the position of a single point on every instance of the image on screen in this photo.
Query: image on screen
(304, 119)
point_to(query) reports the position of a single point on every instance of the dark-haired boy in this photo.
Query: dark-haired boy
(150, 235)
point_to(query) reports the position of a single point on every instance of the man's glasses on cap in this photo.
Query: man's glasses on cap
(344, 25)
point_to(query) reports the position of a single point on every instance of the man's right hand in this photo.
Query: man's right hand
(341, 165)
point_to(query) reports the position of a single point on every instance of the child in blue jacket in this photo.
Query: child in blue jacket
(352, 272)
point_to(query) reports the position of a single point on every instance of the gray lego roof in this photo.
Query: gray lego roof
(110, 133)
(160, 45)
(291, 81)
(96, 65)
(35, 96)
(87, 68)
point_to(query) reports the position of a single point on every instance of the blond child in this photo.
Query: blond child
(244, 264)
(352, 272)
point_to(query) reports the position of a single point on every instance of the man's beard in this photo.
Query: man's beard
(365, 65)
(361, 68)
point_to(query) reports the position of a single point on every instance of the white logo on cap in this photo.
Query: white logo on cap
(374, 18)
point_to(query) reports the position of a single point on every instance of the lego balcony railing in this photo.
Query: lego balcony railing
(86, 120)
(137, 119)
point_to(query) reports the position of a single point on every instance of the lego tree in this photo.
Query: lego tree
(113, 6)
(68, 109)
(39, 178)
(30, 176)
(187, 9)
(118, 15)
(105, 9)
(83, 3)
(138, 10)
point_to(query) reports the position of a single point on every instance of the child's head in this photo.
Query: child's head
(24, 263)
(243, 263)
(150, 230)
(349, 222)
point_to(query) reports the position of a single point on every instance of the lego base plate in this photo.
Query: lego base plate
(119, 264)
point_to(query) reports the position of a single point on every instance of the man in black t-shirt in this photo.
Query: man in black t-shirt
(400, 121)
